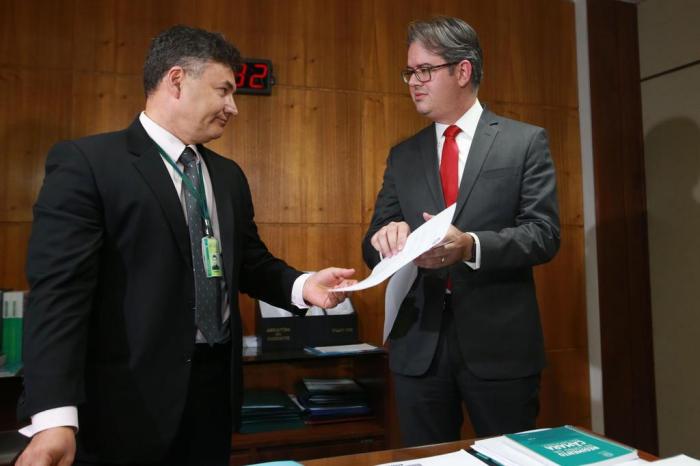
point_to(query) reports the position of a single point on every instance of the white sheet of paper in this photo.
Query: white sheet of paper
(356, 348)
(680, 460)
(456, 458)
(425, 237)
(396, 291)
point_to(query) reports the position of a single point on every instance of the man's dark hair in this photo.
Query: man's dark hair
(189, 48)
(452, 39)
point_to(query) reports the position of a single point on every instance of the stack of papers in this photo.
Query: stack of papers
(343, 349)
(680, 460)
(559, 446)
(268, 410)
(332, 400)
(457, 458)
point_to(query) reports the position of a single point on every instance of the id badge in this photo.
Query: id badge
(211, 254)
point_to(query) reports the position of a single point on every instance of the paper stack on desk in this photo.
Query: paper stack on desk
(332, 400)
(559, 446)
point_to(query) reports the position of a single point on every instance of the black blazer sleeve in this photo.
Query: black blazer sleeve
(62, 269)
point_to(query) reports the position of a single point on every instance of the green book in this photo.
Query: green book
(12, 314)
(568, 446)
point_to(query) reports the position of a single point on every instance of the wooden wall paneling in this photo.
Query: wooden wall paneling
(271, 29)
(34, 113)
(95, 36)
(380, 54)
(14, 237)
(529, 50)
(105, 102)
(295, 150)
(331, 171)
(560, 294)
(36, 33)
(268, 142)
(564, 392)
(138, 21)
(623, 256)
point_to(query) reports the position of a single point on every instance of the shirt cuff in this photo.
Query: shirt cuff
(65, 416)
(298, 291)
(475, 263)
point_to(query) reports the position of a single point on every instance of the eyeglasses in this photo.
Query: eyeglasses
(423, 73)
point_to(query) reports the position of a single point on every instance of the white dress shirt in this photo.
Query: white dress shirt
(68, 415)
(467, 123)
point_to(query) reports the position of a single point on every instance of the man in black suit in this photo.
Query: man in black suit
(469, 329)
(133, 333)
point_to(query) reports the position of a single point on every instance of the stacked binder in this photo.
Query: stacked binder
(268, 410)
(332, 400)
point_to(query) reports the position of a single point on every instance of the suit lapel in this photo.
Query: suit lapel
(224, 208)
(427, 147)
(150, 165)
(485, 133)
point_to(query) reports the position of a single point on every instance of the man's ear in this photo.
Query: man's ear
(464, 70)
(172, 81)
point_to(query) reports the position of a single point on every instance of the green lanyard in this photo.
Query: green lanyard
(199, 194)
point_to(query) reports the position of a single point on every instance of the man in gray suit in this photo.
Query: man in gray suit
(469, 329)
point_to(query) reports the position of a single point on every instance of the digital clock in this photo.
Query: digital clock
(255, 77)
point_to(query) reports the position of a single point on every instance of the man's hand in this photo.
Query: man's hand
(50, 447)
(391, 238)
(456, 247)
(318, 289)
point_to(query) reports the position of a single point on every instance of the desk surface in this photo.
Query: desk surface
(387, 456)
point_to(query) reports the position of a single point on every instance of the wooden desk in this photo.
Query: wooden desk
(403, 454)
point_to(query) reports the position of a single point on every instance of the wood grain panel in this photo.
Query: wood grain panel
(34, 114)
(295, 149)
(536, 63)
(560, 294)
(37, 33)
(14, 237)
(95, 43)
(623, 255)
(565, 394)
(104, 102)
(270, 29)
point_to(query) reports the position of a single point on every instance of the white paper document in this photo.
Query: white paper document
(457, 458)
(425, 237)
(356, 348)
(396, 291)
(680, 460)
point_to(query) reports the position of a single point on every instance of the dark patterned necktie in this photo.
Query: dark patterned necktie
(207, 290)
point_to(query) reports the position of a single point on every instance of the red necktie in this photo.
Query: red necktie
(449, 165)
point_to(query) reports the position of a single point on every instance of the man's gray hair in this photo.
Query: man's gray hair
(452, 39)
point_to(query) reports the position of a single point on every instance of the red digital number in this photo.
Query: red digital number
(256, 80)
(240, 76)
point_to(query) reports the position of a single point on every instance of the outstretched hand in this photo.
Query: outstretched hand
(318, 289)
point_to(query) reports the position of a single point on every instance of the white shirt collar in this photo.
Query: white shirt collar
(467, 122)
(172, 146)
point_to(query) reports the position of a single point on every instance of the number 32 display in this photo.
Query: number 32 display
(255, 77)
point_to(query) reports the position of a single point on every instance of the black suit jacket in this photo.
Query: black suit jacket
(110, 322)
(507, 197)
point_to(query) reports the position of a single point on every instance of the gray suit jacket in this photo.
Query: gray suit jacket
(507, 197)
